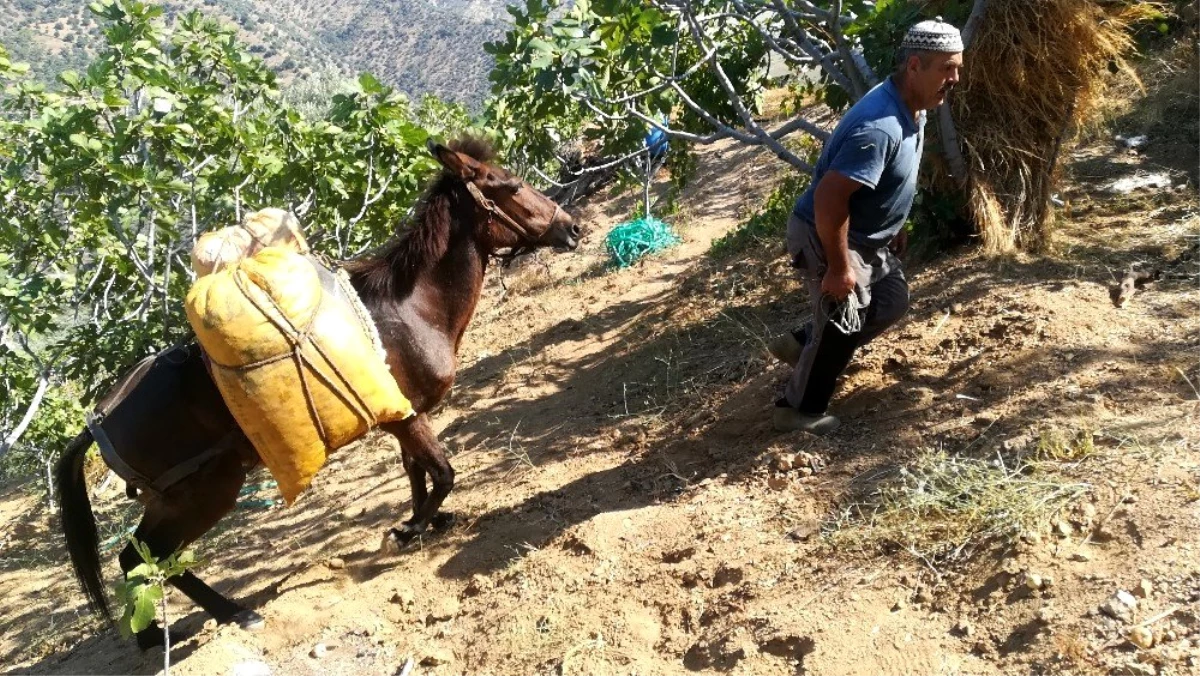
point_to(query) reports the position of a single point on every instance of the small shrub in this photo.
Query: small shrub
(937, 220)
(142, 594)
(1054, 444)
(768, 224)
(942, 507)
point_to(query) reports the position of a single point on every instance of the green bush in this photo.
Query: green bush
(768, 224)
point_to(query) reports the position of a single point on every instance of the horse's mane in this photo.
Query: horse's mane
(422, 240)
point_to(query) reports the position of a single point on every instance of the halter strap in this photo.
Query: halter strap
(505, 220)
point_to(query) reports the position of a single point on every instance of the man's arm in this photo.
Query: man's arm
(859, 161)
(831, 204)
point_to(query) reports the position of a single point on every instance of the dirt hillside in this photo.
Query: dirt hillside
(625, 507)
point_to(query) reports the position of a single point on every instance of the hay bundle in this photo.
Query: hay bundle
(1034, 71)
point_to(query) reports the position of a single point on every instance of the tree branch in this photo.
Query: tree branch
(978, 10)
(35, 403)
(843, 49)
(607, 165)
(237, 197)
(666, 82)
(146, 273)
(951, 148)
(368, 200)
(723, 131)
(87, 288)
(734, 99)
(806, 43)
(767, 37)
(864, 68)
(301, 210)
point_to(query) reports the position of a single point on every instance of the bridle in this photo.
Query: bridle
(494, 212)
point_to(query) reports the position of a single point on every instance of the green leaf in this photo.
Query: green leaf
(143, 551)
(143, 570)
(414, 135)
(369, 84)
(144, 600)
(662, 36)
(567, 32)
(113, 99)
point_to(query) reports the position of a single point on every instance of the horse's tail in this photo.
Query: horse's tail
(78, 522)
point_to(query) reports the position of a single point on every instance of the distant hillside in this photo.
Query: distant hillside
(417, 46)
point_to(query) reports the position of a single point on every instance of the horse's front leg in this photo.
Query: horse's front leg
(416, 480)
(422, 455)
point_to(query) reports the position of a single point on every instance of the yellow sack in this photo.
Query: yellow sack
(219, 249)
(267, 227)
(274, 227)
(295, 357)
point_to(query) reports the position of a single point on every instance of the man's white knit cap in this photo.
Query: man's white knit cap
(933, 36)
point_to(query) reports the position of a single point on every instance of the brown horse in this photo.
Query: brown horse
(167, 432)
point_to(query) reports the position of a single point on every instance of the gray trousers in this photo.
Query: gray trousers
(882, 292)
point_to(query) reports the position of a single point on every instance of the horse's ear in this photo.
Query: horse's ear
(462, 166)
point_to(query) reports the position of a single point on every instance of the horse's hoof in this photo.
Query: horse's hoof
(249, 620)
(443, 521)
(152, 637)
(148, 640)
(396, 539)
(388, 545)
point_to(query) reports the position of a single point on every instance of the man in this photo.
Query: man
(840, 230)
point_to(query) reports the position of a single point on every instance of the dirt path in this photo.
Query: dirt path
(623, 504)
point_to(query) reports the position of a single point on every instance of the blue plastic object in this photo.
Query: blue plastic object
(656, 143)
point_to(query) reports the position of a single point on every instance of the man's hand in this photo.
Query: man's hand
(837, 284)
(899, 243)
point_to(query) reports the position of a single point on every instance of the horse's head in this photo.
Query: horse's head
(518, 216)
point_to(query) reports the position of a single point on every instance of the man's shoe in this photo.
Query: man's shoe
(786, 349)
(788, 419)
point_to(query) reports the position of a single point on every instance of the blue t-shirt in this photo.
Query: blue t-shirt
(877, 144)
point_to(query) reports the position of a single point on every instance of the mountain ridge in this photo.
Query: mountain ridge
(417, 46)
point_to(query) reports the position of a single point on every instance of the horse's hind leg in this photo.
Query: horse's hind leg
(184, 513)
(422, 455)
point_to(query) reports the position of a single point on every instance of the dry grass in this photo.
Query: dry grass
(942, 507)
(531, 276)
(1060, 446)
(1035, 71)
(1166, 91)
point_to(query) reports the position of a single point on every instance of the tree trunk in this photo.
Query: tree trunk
(15, 435)
(946, 129)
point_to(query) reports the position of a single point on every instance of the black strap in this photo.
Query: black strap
(136, 480)
(192, 465)
(110, 455)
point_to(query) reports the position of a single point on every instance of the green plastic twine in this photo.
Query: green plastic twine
(628, 242)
